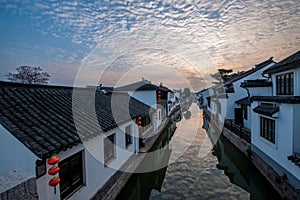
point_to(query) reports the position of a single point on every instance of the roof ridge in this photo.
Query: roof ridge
(42, 86)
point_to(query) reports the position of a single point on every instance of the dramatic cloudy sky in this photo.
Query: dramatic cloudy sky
(176, 42)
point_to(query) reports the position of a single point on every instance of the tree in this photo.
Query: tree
(29, 75)
(186, 92)
(222, 75)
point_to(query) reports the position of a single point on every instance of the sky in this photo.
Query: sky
(175, 42)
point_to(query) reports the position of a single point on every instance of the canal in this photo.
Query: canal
(196, 169)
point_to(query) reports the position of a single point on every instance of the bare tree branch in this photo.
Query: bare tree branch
(29, 75)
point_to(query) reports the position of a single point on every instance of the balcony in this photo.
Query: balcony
(240, 131)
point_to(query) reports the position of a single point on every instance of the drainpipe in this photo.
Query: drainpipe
(248, 93)
(268, 76)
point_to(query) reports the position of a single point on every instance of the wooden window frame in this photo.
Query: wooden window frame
(109, 148)
(68, 172)
(285, 84)
(267, 129)
(128, 136)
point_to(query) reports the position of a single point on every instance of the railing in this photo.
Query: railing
(295, 158)
(240, 131)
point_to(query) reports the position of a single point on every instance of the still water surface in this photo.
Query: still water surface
(221, 173)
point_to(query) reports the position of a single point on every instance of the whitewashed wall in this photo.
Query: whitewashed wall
(283, 147)
(261, 91)
(14, 154)
(256, 91)
(95, 173)
(241, 92)
(296, 128)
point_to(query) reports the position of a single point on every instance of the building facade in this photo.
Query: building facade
(92, 139)
(275, 120)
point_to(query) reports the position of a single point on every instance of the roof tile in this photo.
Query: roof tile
(42, 117)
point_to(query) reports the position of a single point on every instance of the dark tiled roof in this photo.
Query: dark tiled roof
(256, 83)
(138, 86)
(43, 117)
(278, 99)
(244, 101)
(247, 73)
(288, 63)
(266, 110)
(163, 88)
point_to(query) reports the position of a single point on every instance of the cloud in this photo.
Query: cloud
(206, 34)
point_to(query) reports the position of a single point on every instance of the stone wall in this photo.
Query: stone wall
(242, 145)
(279, 183)
(26, 190)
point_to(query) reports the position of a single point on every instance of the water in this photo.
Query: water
(221, 173)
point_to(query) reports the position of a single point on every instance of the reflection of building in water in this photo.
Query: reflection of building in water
(238, 167)
(140, 185)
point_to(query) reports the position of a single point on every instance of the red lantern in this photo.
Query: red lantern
(53, 160)
(54, 181)
(139, 122)
(53, 170)
(158, 95)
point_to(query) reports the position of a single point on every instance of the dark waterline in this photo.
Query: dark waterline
(224, 173)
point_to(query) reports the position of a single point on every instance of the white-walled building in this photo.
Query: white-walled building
(275, 120)
(230, 110)
(173, 101)
(258, 87)
(151, 95)
(92, 139)
(202, 98)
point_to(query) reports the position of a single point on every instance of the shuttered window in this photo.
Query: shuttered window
(285, 84)
(267, 129)
(71, 174)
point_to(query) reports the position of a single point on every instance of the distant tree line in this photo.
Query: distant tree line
(223, 75)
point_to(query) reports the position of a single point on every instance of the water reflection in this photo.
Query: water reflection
(239, 168)
(223, 173)
(140, 185)
(187, 115)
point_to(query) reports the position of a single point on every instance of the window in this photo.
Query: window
(267, 129)
(71, 174)
(285, 84)
(245, 111)
(109, 148)
(208, 102)
(128, 137)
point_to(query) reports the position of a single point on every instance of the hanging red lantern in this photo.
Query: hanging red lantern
(158, 95)
(53, 160)
(54, 181)
(139, 122)
(53, 170)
